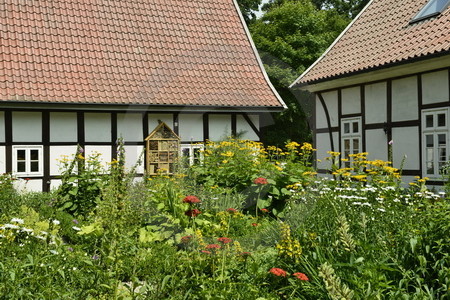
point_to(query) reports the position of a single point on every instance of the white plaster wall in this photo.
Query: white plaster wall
(32, 185)
(105, 154)
(435, 87)
(132, 154)
(190, 127)
(129, 127)
(219, 127)
(377, 144)
(375, 102)
(2, 160)
(55, 183)
(153, 121)
(351, 100)
(2, 127)
(404, 99)
(322, 144)
(243, 126)
(97, 127)
(63, 127)
(331, 101)
(27, 126)
(57, 153)
(406, 141)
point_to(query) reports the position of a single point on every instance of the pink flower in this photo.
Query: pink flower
(192, 213)
(191, 199)
(224, 240)
(301, 276)
(260, 181)
(278, 272)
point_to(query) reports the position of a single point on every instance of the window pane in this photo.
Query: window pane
(21, 166)
(442, 154)
(347, 145)
(430, 152)
(21, 155)
(34, 154)
(429, 121)
(355, 146)
(429, 140)
(34, 166)
(355, 127)
(346, 127)
(441, 120)
(185, 152)
(441, 139)
(430, 168)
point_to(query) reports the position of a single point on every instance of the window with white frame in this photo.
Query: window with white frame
(434, 141)
(192, 153)
(27, 161)
(350, 137)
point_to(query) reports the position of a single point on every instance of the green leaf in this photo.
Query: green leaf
(413, 243)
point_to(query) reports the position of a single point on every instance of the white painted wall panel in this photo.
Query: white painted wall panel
(57, 153)
(375, 102)
(27, 126)
(55, 183)
(129, 127)
(322, 145)
(2, 127)
(219, 127)
(404, 99)
(2, 160)
(97, 127)
(331, 101)
(406, 142)
(63, 127)
(105, 154)
(377, 144)
(435, 87)
(242, 126)
(190, 127)
(32, 185)
(153, 121)
(351, 100)
(132, 154)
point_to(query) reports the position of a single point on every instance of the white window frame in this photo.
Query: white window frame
(351, 135)
(28, 172)
(435, 131)
(192, 148)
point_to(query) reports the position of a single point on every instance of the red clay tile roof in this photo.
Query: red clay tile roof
(158, 52)
(382, 35)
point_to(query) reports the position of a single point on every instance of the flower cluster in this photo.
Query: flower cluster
(278, 272)
(192, 213)
(260, 181)
(191, 199)
(224, 240)
(288, 247)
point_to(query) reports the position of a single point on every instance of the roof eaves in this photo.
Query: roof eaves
(255, 52)
(329, 48)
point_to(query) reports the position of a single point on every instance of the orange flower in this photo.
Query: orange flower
(301, 276)
(278, 272)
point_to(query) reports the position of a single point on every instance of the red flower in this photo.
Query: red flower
(264, 210)
(186, 239)
(191, 199)
(260, 180)
(255, 224)
(192, 213)
(224, 240)
(212, 246)
(301, 276)
(231, 210)
(278, 272)
(206, 251)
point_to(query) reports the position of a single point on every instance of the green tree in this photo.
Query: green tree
(248, 8)
(290, 36)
